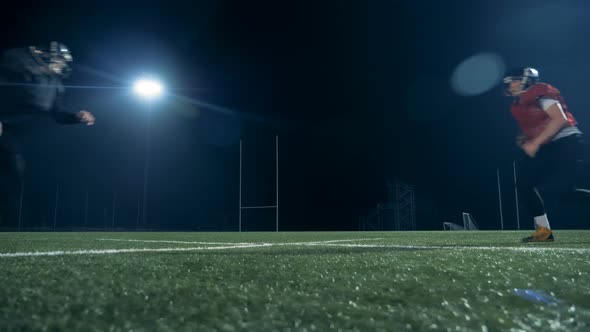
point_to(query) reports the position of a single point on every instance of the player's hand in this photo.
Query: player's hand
(530, 149)
(85, 117)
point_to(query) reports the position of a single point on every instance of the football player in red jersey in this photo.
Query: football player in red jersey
(550, 139)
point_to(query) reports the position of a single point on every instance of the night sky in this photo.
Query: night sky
(359, 94)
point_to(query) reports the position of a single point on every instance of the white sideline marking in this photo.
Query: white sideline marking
(534, 249)
(182, 242)
(315, 243)
(240, 243)
(330, 243)
(118, 251)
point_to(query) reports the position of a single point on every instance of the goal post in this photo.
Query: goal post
(259, 207)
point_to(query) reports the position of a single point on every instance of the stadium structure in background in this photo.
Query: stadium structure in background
(398, 213)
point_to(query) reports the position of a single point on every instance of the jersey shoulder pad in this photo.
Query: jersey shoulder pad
(541, 90)
(546, 89)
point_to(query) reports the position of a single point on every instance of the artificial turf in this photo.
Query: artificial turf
(389, 281)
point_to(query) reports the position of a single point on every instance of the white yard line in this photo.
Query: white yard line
(240, 243)
(119, 251)
(225, 245)
(490, 248)
(329, 243)
(180, 242)
(315, 243)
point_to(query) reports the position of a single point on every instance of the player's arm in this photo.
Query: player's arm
(557, 122)
(63, 116)
(84, 117)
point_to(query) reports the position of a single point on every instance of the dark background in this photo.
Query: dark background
(359, 94)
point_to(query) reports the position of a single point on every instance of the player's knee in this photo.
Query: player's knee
(524, 185)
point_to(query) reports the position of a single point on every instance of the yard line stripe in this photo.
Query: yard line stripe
(119, 251)
(135, 250)
(314, 243)
(181, 242)
(490, 248)
(239, 243)
(317, 243)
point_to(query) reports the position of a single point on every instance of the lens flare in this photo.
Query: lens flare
(477, 74)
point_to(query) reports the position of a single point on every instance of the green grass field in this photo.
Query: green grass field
(370, 281)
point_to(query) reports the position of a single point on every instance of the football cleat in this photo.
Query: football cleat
(542, 234)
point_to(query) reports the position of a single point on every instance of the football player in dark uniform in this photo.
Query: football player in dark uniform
(30, 86)
(550, 139)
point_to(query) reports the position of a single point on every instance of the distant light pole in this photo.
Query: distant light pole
(20, 204)
(55, 210)
(149, 90)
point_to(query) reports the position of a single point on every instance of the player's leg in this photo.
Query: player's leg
(559, 162)
(580, 168)
(574, 193)
(531, 173)
(11, 172)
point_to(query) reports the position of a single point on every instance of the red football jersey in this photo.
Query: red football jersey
(527, 111)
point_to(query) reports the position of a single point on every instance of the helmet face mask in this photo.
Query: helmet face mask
(526, 76)
(60, 57)
(57, 59)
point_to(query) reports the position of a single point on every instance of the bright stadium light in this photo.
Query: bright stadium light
(148, 88)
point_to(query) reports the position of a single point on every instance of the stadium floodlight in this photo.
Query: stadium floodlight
(148, 88)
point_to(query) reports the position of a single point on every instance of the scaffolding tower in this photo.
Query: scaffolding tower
(397, 213)
(404, 205)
